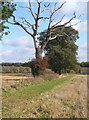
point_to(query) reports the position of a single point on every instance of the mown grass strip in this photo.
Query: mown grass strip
(29, 92)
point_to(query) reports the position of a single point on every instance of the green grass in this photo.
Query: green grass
(13, 99)
(35, 90)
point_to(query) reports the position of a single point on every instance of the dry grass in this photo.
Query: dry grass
(65, 101)
(15, 79)
(69, 102)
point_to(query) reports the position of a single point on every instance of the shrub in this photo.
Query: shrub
(38, 66)
(72, 71)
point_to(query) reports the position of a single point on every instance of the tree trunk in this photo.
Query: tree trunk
(38, 50)
(38, 53)
(59, 72)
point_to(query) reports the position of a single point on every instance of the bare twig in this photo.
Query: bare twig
(75, 23)
(19, 24)
(58, 21)
(74, 16)
(30, 8)
(55, 10)
(28, 23)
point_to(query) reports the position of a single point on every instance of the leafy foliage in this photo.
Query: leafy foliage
(84, 64)
(7, 9)
(62, 51)
(39, 65)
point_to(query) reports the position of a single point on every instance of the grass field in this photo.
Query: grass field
(15, 79)
(34, 101)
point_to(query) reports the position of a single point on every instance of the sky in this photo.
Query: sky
(18, 46)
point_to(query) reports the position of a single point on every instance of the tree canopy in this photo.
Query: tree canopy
(84, 64)
(7, 9)
(62, 51)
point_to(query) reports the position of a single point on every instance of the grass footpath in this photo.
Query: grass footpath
(15, 98)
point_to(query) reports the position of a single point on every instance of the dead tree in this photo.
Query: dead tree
(39, 16)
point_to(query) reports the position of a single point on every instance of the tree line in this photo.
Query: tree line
(84, 64)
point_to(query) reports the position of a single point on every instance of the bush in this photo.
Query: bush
(72, 71)
(38, 66)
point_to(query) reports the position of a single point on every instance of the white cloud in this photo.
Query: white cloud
(81, 27)
(23, 41)
(5, 53)
(83, 52)
(17, 55)
(77, 7)
(23, 49)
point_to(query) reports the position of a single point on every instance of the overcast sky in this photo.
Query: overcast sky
(19, 47)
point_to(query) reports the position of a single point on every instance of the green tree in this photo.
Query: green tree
(6, 10)
(62, 51)
(84, 64)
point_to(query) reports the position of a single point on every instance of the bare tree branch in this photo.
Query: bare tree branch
(19, 24)
(52, 38)
(52, 13)
(49, 39)
(50, 29)
(56, 9)
(43, 18)
(46, 5)
(30, 8)
(58, 21)
(69, 20)
(44, 11)
(37, 18)
(55, 5)
(63, 25)
(75, 23)
(28, 23)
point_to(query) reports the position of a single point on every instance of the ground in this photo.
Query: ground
(69, 101)
(57, 99)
